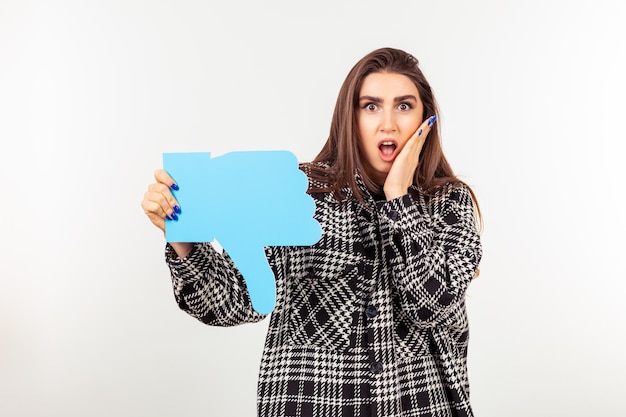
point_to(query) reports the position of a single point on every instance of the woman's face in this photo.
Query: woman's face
(390, 111)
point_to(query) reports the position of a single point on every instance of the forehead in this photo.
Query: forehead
(387, 84)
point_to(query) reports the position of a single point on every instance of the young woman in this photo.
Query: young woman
(371, 320)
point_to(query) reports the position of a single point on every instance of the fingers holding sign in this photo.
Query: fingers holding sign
(158, 202)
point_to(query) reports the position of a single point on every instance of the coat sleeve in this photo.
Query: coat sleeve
(433, 250)
(208, 286)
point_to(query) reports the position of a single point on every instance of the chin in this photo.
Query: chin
(378, 173)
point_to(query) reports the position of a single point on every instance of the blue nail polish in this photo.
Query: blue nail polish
(168, 217)
(177, 209)
(419, 132)
(174, 216)
(174, 187)
(432, 120)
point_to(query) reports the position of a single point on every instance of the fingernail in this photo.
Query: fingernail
(174, 216)
(432, 120)
(174, 186)
(419, 132)
(177, 209)
(167, 216)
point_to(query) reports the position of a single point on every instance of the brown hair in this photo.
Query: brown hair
(340, 157)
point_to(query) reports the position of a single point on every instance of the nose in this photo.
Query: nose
(388, 122)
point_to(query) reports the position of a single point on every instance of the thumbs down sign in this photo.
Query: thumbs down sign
(246, 201)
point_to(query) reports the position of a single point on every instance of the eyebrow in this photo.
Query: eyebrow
(380, 100)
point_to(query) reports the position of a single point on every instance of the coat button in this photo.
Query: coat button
(393, 215)
(371, 312)
(376, 367)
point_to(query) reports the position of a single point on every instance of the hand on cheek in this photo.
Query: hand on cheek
(400, 176)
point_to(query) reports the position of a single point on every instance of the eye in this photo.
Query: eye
(404, 106)
(370, 107)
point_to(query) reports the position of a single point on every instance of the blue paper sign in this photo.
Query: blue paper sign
(245, 200)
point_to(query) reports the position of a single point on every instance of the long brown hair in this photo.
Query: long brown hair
(340, 159)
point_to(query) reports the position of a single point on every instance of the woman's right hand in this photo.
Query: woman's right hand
(158, 202)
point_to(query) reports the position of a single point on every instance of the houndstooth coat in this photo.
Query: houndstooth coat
(370, 321)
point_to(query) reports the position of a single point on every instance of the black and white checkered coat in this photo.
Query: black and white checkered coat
(370, 321)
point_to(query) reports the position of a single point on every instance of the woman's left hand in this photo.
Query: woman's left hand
(402, 172)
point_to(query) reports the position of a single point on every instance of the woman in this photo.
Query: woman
(371, 320)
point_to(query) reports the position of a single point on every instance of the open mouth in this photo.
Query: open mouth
(387, 150)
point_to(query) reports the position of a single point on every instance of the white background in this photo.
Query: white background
(93, 92)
